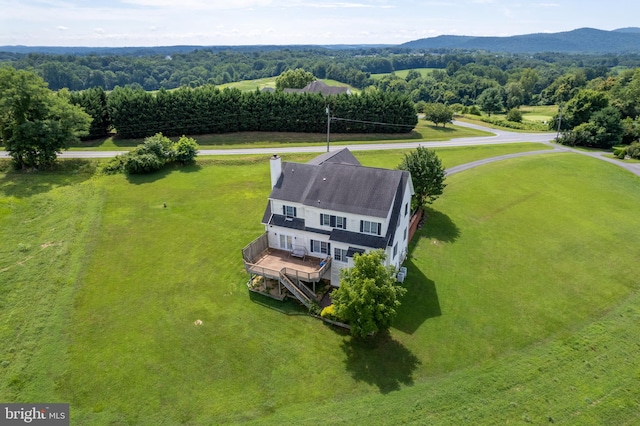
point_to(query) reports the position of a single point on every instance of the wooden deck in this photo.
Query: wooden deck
(276, 260)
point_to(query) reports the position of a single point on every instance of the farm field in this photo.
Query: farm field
(520, 307)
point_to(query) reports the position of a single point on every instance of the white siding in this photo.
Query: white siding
(311, 215)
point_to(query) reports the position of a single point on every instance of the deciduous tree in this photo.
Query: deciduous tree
(368, 296)
(427, 174)
(36, 123)
(294, 79)
(603, 130)
(438, 113)
(490, 100)
(185, 150)
(515, 115)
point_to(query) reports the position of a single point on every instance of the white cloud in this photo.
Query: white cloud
(169, 22)
(199, 4)
(338, 5)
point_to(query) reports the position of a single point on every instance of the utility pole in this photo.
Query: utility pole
(328, 126)
(559, 121)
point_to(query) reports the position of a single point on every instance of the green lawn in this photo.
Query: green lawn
(270, 82)
(542, 113)
(403, 73)
(534, 119)
(520, 306)
(423, 131)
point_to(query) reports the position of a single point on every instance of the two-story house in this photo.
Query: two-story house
(327, 210)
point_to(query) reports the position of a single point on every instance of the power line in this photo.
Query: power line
(374, 122)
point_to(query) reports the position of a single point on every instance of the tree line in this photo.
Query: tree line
(135, 113)
(192, 69)
(603, 113)
(152, 71)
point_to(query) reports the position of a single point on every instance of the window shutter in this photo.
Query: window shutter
(344, 223)
(379, 228)
(321, 219)
(284, 210)
(332, 221)
(295, 212)
(329, 249)
(361, 226)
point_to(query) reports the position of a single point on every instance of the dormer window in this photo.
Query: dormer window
(289, 211)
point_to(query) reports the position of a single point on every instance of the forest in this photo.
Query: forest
(460, 79)
(352, 66)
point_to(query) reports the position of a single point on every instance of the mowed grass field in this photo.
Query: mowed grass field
(403, 73)
(424, 131)
(522, 303)
(543, 113)
(270, 82)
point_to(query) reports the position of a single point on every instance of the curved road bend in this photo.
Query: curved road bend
(499, 137)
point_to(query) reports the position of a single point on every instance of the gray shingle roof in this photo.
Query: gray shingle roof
(318, 86)
(340, 187)
(355, 238)
(342, 156)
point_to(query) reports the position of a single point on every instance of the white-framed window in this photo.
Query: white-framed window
(333, 221)
(286, 242)
(368, 227)
(340, 255)
(289, 211)
(320, 247)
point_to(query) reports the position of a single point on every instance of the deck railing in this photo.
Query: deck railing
(295, 277)
(255, 248)
(297, 290)
(259, 270)
(290, 277)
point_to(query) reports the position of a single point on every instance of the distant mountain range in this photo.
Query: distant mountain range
(583, 40)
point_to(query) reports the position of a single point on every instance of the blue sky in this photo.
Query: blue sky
(248, 22)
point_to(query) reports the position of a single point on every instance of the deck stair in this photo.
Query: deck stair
(295, 290)
(293, 276)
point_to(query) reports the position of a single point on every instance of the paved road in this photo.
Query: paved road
(499, 137)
